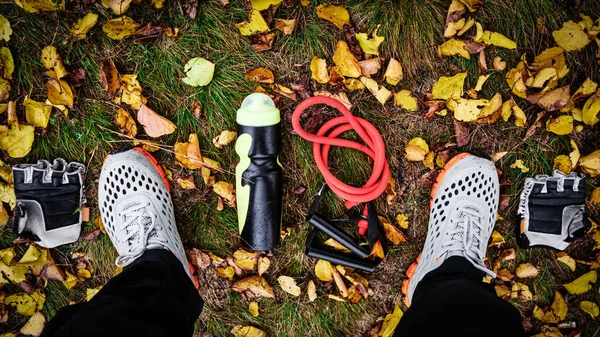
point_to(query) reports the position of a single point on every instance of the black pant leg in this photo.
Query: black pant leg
(151, 297)
(453, 301)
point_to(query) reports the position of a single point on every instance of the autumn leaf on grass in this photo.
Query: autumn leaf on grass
(589, 164)
(416, 149)
(198, 258)
(582, 284)
(131, 92)
(476, 110)
(120, 28)
(590, 308)
(324, 270)
(311, 290)
(37, 113)
(117, 6)
(247, 331)
(494, 38)
(527, 270)
(521, 291)
(555, 314)
(393, 73)
(26, 304)
(225, 272)
(319, 72)
(518, 164)
(497, 239)
(263, 265)
(571, 36)
(260, 75)
(335, 14)
(562, 163)
(381, 93)
(498, 63)
(5, 30)
(591, 110)
(126, 123)
(283, 91)
(34, 325)
(393, 234)
(245, 260)
(38, 6)
(253, 287)
(224, 138)
(17, 139)
(288, 284)
(561, 125)
(390, 322)
(110, 77)
(370, 45)
(454, 47)
(254, 24)
(345, 60)
(550, 58)
(405, 100)
(449, 87)
(59, 92)
(187, 183)
(455, 19)
(566, 260)
(552, 100)
(198, 71)
(154, 124)
(286, 26)
(188, 154)
(226, 191)
(7, 63)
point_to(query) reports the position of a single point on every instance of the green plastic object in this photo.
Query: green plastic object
(258, 110)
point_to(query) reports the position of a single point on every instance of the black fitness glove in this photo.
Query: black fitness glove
(552, 210)
(48, 202)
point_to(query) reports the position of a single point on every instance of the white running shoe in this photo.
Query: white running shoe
(135, 204)
(464, 203)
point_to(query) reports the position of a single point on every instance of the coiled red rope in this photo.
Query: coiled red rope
(327, 136)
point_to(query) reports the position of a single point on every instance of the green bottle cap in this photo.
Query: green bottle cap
(258, 110)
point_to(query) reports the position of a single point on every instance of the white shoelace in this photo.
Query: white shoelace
(466, 238)
(140, 229)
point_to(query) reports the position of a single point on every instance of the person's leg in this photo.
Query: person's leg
(154, 295)
(446, 294)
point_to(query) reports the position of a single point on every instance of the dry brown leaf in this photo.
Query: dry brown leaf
(154, 124)
(253, 287)
(110, 77)
(370, 66)
(126, 123)
(393, 234)
(188, 154)
(286, 26)
(198, 258)
(416, 149)
(552, 100)
(283, 91)
(224, 138)
(505, 275)
(339, 282)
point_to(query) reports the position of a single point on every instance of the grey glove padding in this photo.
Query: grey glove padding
(48, 201)
(552, 210)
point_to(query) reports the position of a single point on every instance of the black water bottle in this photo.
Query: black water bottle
(259, 176)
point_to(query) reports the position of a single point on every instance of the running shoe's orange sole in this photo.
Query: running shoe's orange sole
(156, 165)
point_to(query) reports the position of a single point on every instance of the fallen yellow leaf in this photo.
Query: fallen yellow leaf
(390, 322)
(405, 100)
(70, 281)
(526, 270)
(226, 191)
(324, 270)
(582, 284)
(261, 5)
(589, 164)
(336, 245)
(402, 221)
(571, 36)
(319, 72)
(37, 113)
(370, 66)
(117, 6)
(591, 109)
(595, 197)
(521, 291)
(198, 72)
(590, 308)
(7, 63)
(393, 234)
(481, 81)
(551, 58)
(188, 154)
(224, 138)
(253, 309)
(126, 123)
(563, 164)
(311, 289)
(520, 165)
(345, 60)
(254, 24)
(498, 63)
(567, 260)
(497, 239)
(449, 87)
(131, 92)
(247, 331)
(5, 30)
(454, 19)
(381, 93)
(260, 75)
(34, 325)
(37, 6)
(59, 92)
(120, 28)
(335, 14)
(288, 284)
(91, 292)
(454, 47)
(253, 287)
(263, 265)
(226, 272)
(561, 125)
(245, 260)
(416, 149)
(497, 39)
(17, 139)
(186, 183)
(154, 124)
(370, 46)
(393, 73)
(286, 26)
(556, 313)
(26, 304)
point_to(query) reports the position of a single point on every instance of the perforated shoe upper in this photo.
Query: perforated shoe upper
(462, 217)
(136, 207)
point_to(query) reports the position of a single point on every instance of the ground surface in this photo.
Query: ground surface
(412, 30)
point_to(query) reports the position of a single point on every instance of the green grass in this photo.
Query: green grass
(412, 29)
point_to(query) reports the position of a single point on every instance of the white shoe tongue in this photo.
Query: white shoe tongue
(145, 220)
